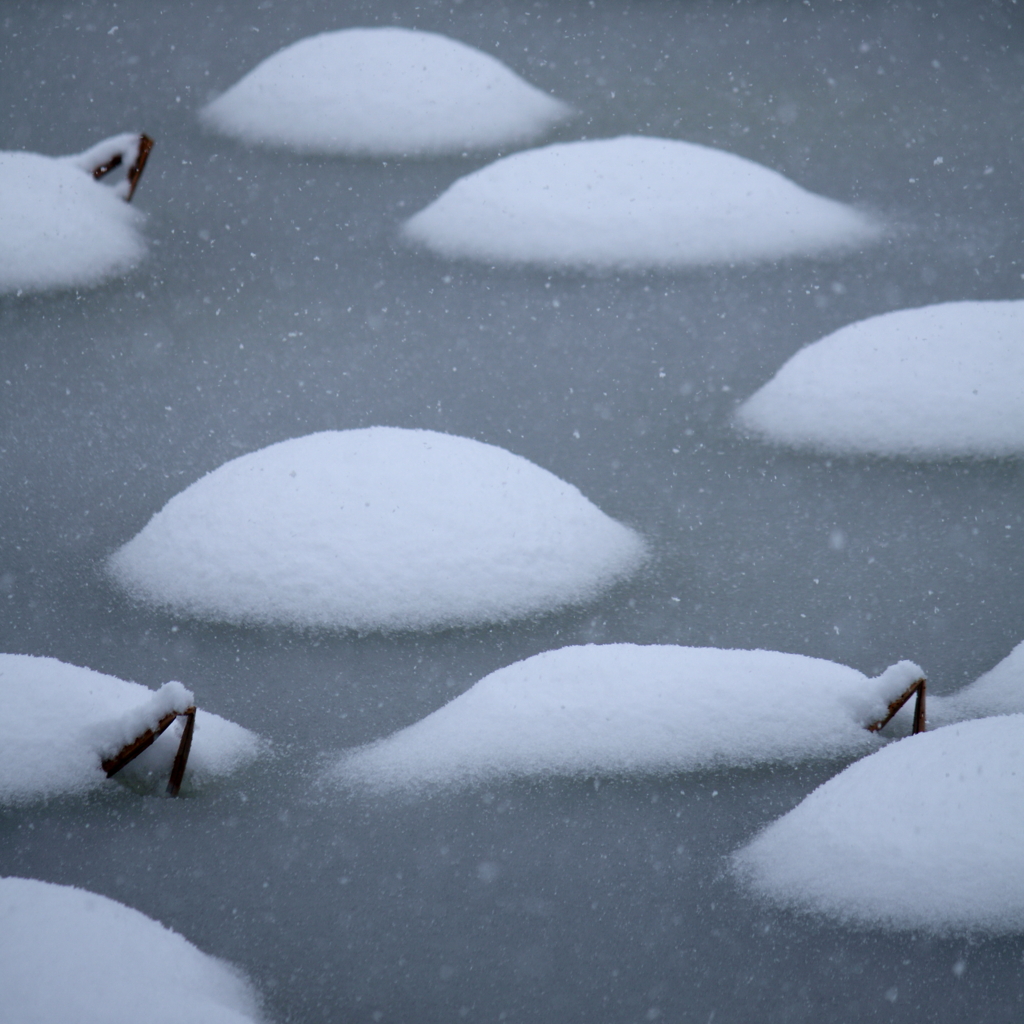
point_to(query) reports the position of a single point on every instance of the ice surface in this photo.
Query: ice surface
(935, 382)
(61, 721)
(923, 834)
(383, 92)
(632, 202)
(68, 955)
(622, 708)
(60, 228)
(1000, 691)
(380, 528)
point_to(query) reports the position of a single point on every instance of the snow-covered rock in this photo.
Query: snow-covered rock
(381, 528)
(627, 709)
(937, 382)
(61, 228)
(1000, 691)
(925, 834)
(60, 722)
(69, 955)
(632, 203)
(383, 92)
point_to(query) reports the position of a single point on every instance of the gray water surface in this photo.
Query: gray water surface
(278, 301)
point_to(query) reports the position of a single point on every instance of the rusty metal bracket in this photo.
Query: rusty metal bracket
(145, 144)
(919, 686)
(130, 751)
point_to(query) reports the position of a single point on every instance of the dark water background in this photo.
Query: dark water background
(278, 301)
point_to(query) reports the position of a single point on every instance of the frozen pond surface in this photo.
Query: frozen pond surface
(277, 300)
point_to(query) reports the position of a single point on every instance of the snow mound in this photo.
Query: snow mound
(937, 382)
(1000, 691)
(924, 834)
(60, 228)
(61, 721)
(622, 708)
(71, 955)
(382, 92)
(632, 203)
(380, 528)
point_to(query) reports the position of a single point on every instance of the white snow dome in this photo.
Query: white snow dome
(69, 956)
(632, 203)
(383, 92)
(59, 226)
(627, 709)
(60, 722)
(925, 834)
(1000, 691)
(937, 382)
(380, 528)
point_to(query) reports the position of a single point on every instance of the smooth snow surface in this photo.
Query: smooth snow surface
(923, 834)
(380, 528)
(383, 92)
(622, 708)
(937, 382)
(68, 956)
(1000, 691)
(60, 228)
(632, 203)
(60, 721)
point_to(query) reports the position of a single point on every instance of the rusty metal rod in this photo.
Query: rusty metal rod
(919, 710)
(104, 169)
(145, 144)
(130, 751)
(136, 169)
(919, 686)
(181, 757)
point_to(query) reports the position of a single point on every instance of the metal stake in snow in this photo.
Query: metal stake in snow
(111, 153)
(146, 738)
(918, 687)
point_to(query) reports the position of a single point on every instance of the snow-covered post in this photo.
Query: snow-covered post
(918, 686)
(144, 725)
(105, 156)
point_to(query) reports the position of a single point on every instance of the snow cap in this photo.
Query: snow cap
(60, 228)
(921, 835)
(943, 381)
(383, 92)
(380, 528)
(71, 955)
(999, 691)
(628, 709)
(60, 722)
(632, 203)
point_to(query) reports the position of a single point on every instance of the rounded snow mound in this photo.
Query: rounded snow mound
(625, 709)
(380, 528)
(60, 228)
(382, 92)
(61, 721)
(924, 834)
(1000, 691)
(632, 203)
(71, 955)
(937, 382)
